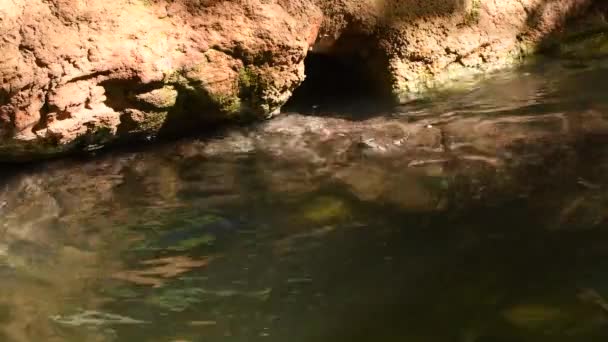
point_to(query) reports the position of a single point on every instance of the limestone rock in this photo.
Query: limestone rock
(76, 74)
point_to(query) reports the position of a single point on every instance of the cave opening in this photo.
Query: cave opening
(348, 77)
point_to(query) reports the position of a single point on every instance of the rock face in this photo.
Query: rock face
(428, 43)
(85, 72)
(80, 74)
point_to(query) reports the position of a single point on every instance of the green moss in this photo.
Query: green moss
(196, 92)
(584, 46)
(94, 138)
(227, 104)
(20, 151)
(153, 121)
(472, 16)
(251, 90)
(180, 80)
(246, 100)
(525, 49)
(174, 77)
(162, 98)
(247, 78)
(459, 77)
(250, 86)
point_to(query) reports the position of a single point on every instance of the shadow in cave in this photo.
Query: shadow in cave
(349, 79)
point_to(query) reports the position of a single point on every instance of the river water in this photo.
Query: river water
(478, 215)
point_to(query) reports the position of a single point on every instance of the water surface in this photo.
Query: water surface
(497, 231)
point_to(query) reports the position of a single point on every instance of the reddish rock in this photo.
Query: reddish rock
(77, 74)
(72, 69)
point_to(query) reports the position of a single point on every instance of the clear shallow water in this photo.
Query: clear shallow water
(498, 234)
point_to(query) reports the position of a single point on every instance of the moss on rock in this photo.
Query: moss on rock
(586, 46)
(161, 98)
(19, 151)
(473, 14)
(153, 121)
(250, 87)
(146, 122)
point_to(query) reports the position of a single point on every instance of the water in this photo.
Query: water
(476, 216)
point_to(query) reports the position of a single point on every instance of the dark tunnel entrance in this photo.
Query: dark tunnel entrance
(349, 79)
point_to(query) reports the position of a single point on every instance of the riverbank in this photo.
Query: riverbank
(78, 77)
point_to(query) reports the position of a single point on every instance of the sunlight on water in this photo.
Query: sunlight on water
(477, 216)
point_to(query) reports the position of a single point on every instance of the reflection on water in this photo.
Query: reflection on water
(478, 216)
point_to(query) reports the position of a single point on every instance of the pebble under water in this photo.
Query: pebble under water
(493, 228)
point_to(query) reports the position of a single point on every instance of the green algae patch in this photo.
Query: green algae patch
(194, 242)
(533, 316)
(183, 231)
(572, 317)
(326, 209)
(252, 86)
(180, 299)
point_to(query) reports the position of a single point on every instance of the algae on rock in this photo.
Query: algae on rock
(161, 98)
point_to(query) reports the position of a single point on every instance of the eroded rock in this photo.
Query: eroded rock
(71, 70)
(84, 74)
